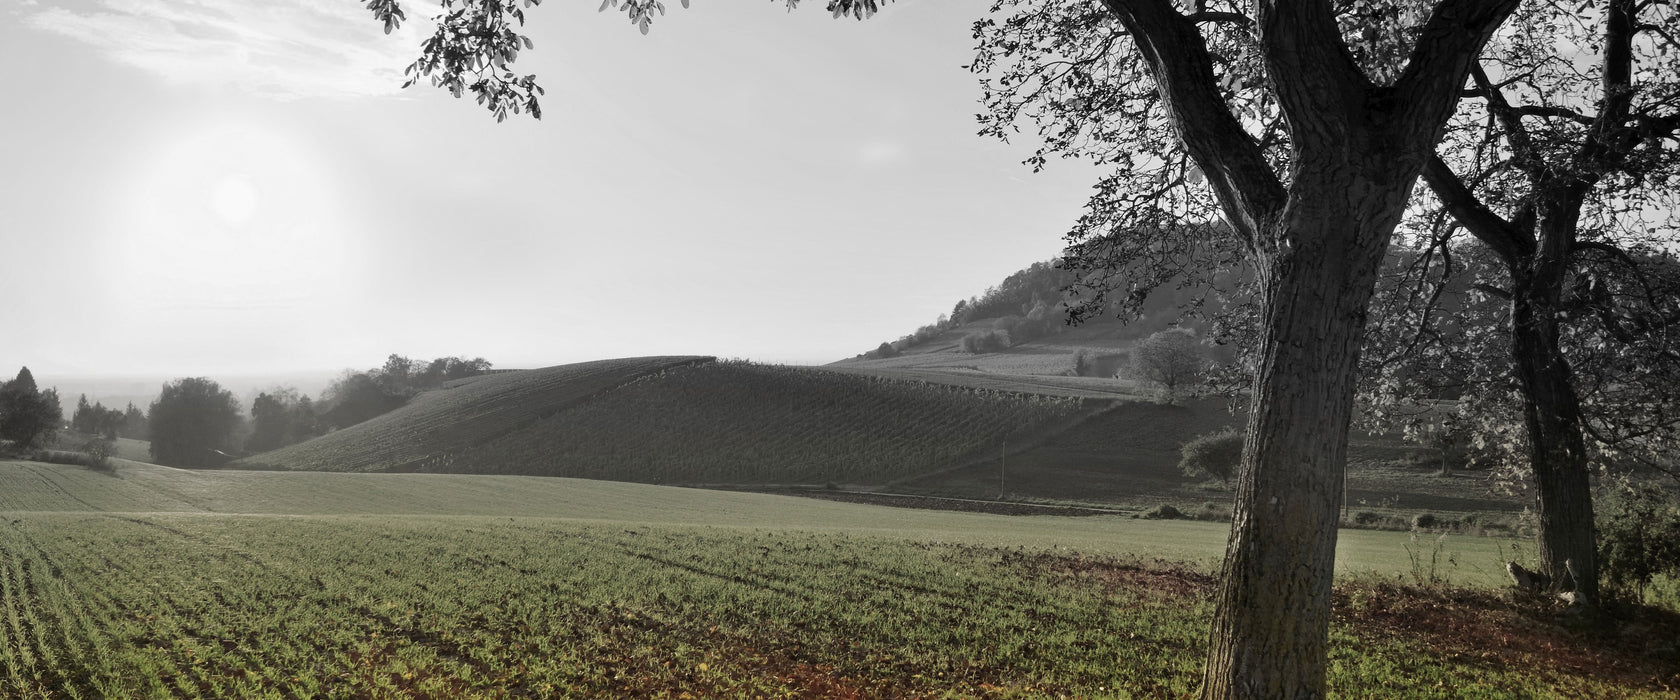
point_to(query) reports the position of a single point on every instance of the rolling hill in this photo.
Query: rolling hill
(690, 421)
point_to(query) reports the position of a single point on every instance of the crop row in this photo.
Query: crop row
(271, 607)
(358, 607)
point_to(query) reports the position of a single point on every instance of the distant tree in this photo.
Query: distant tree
(79, 421)
(1171, 359)
(28, 416)
(192, 422)
(885, 350)
(1215, 454)
(357, 397)
(96, 419)
(281, 417)
(395, 374)
(134, 424)
(271, 420)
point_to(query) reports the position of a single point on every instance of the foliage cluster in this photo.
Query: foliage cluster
(29, 416)
(359, 396)
(1639, 537)
(1172, 359)
(1215, 454)
(112, 423)
(282, 417)
(193, 422)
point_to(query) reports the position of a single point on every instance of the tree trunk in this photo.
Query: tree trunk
(1269, 631)
(1557, 449)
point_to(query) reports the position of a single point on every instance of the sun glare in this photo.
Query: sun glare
(229, 216)
(234, 200)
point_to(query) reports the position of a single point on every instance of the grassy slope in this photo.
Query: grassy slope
(466, 414)
(645, 591)
(918, 429)
(683, 422)
(1129, 455)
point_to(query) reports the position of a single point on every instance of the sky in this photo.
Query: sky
(223, 187)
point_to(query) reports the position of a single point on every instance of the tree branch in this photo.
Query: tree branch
(1179, 61)
(1506, 240)
(1446, 48)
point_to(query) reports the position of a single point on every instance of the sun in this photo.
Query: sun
(229, 214)
(234, 199)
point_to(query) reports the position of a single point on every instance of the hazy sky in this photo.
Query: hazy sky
(205, 187)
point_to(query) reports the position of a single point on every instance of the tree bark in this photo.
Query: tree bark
(1557, 449)
(1318, 242)
(1273, 615)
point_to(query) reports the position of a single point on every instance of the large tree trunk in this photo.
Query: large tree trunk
(1269, 631)
(1557, 449)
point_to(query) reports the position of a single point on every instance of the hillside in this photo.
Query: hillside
(687, 420)
(466, 413)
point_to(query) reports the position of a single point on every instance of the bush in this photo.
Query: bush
(1638, 537)
(1213, 512)
(1163, 512)
(985, 341)
(98, 450)
(1424, 521)
(1215, 454)
(1366, 517)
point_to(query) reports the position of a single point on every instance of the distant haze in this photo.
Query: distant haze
(234, 189)
(118, 391)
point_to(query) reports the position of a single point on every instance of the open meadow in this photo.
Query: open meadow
(155, 582)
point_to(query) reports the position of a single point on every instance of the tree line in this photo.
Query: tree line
(195, 422)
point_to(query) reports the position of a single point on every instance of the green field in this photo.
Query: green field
(156, 582)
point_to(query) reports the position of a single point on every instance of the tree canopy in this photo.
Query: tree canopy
(193, 422)
(28, 416)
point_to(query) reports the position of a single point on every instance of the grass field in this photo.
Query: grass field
(154, 582)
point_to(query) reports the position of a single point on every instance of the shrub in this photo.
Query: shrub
(985, 341)
(1215, 454)
(1163, 512)
(1171, 359)
(1213, 512)
(1366, 517)
(98, 450)
(1638, 537)
(1424, 521)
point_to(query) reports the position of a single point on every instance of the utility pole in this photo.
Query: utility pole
(1003, 459)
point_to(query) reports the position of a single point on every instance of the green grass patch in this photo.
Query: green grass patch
(177, 605)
